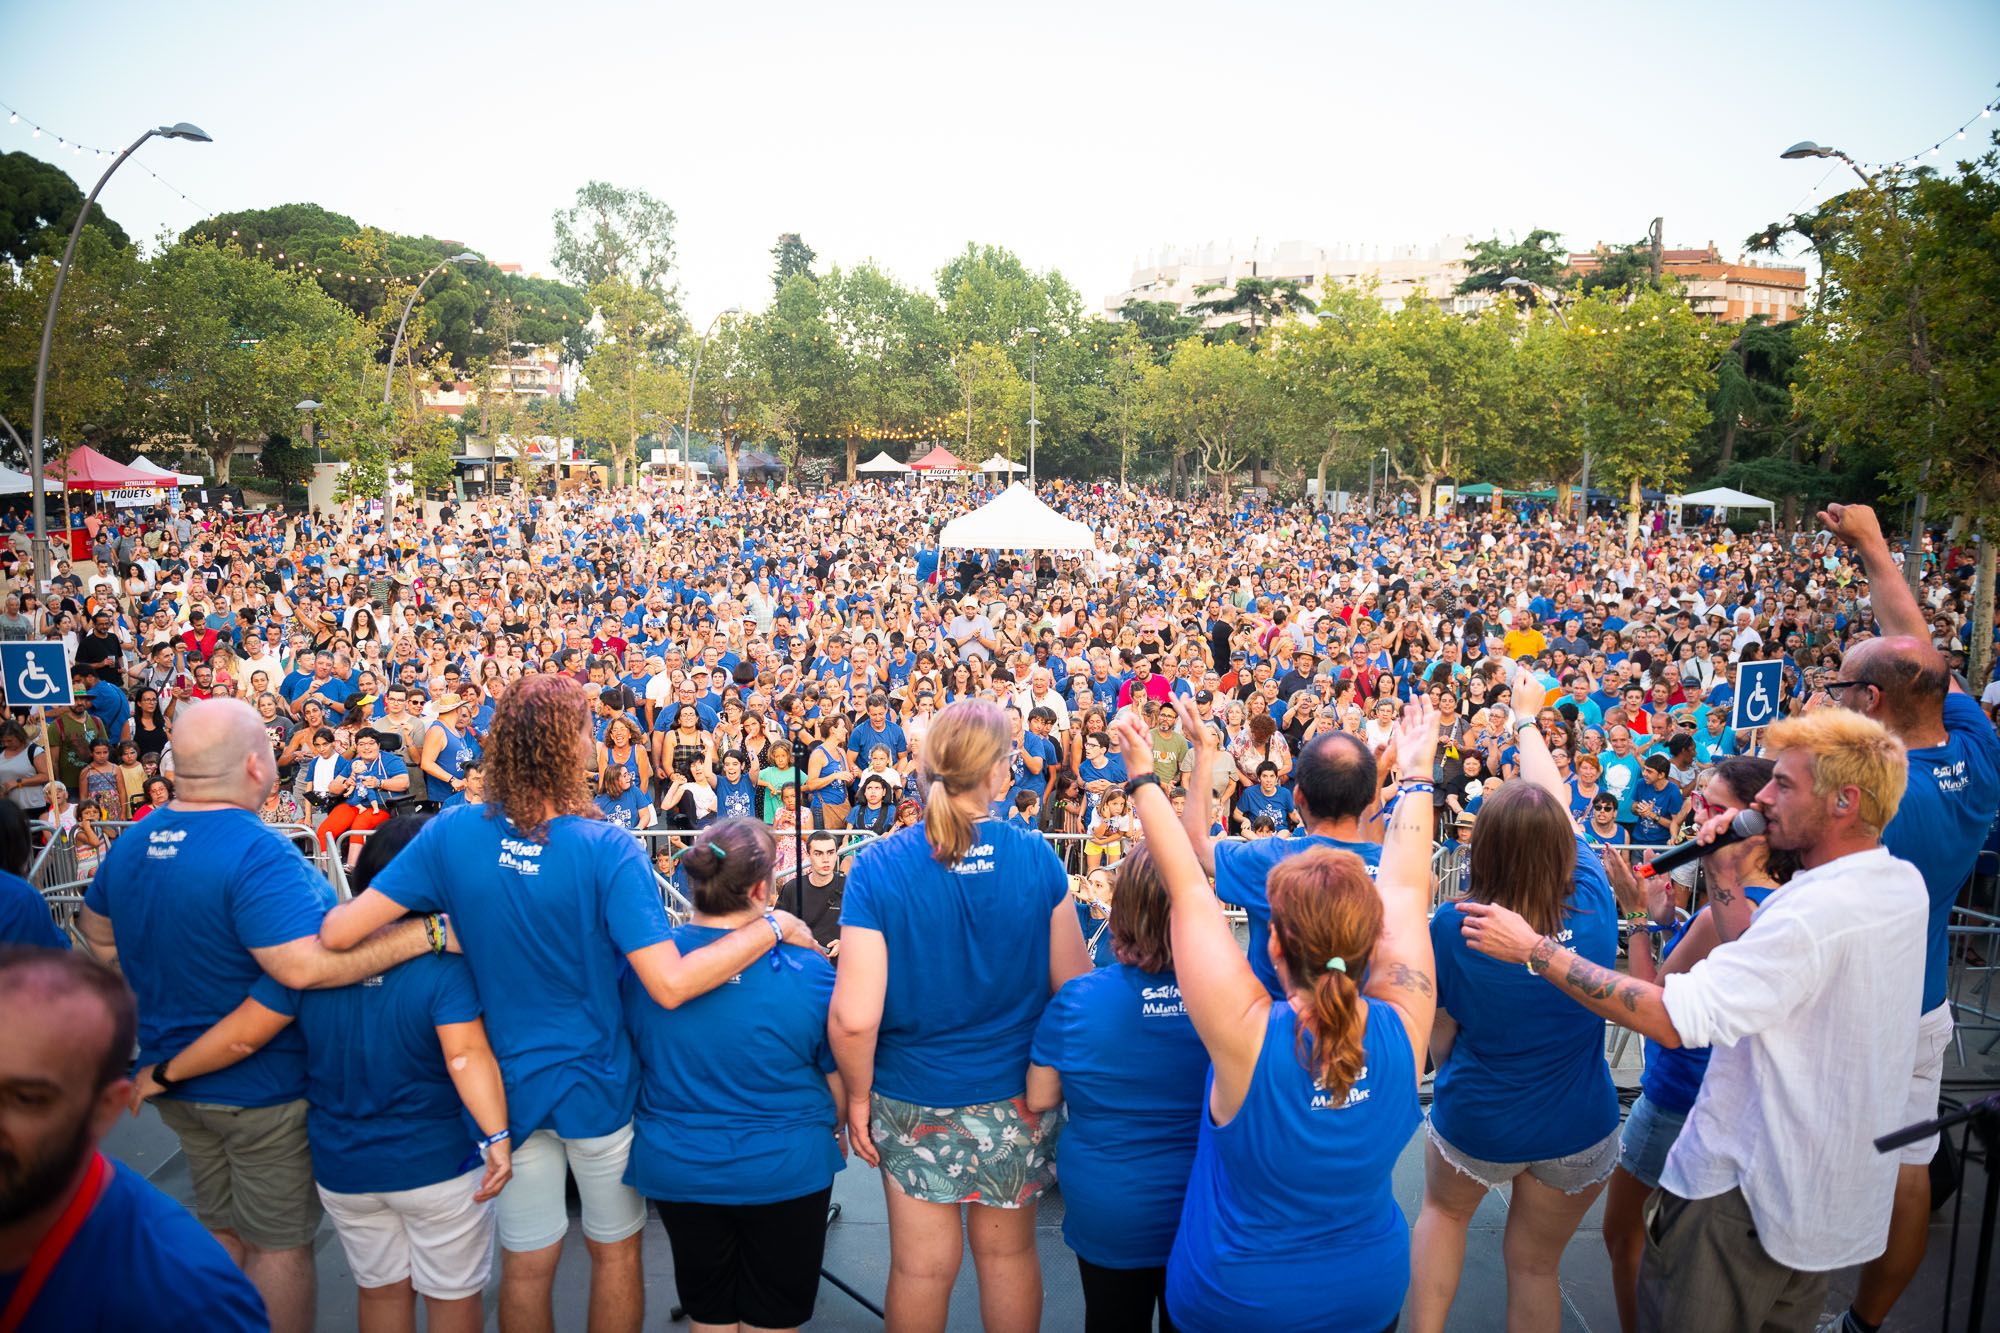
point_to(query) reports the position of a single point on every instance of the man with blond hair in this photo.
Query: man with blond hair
(1812, 1013)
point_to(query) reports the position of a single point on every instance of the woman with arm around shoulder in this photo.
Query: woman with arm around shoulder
(737, 1134)
(1117, 1048)
(1522, 1094)
(1289, 1220)
(954, 933)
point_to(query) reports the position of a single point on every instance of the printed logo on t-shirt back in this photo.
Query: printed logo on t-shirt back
(1161, 1002)
(976, 861)
(164, 845)
(1356, 1094)
(520, 856)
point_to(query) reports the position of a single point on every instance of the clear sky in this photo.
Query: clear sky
(1082, 135)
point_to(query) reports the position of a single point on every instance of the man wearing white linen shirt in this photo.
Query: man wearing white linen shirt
(1812, 1014)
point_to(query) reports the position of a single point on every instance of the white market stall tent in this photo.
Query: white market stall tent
(999, 464)
(15, 483)
(1719, 497)
(147, 465)
(1015, 520)
(882, 463)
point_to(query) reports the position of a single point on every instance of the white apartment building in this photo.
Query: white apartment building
(1397, 272)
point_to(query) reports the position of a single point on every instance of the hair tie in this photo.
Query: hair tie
(720, 853)
(1337, 965)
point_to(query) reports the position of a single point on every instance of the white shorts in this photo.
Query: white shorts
(1933, 1036)
(435, 1236)
(534, 1213)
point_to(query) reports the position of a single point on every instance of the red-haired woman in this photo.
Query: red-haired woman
(1289, 1220)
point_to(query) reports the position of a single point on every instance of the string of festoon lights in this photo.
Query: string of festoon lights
(77, 149)
(1910, 163)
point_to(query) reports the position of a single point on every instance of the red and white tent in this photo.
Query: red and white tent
(939, 459)
(87, 470)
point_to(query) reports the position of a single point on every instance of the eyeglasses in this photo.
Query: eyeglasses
(1834, 685)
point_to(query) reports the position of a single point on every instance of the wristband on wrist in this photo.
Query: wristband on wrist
(1132, 785)
(497, 1136)
(1521, 722)
(777, 931)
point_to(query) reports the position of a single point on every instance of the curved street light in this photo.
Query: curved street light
(39, 544)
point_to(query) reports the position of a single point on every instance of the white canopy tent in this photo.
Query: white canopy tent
(999, 464)
(1015, 520)
(882, 463)
(1719, 497)
(15, 483)
(145, 464)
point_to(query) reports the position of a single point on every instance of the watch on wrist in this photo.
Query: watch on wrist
(1522, 721)
(1132, 785)
(166, 1081)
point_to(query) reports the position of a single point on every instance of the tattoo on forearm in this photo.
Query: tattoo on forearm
(1602, 983)
(1540, 956)
(1409, 978)
(1723, 897)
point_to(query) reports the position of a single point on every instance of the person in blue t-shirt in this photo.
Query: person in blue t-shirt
(1266, 800)
(1621, 771)
(135, 1258)
(24, 913)
(516, 876)
(1903, 682)
(623, 804)
(1327, 1075)
(195, 905)
(1658, 804)
(954, 933)
(1116, 1046)
(1334, 783)
(735, 794)
(397, 1137)
(1522, 1093)
(737, 1134)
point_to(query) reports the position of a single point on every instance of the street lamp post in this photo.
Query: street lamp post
(1033, 333)
(388, 386)
(687, 418)
(1913, 553)
(305, 409)
(39, 545)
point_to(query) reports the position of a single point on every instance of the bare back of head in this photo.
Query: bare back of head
(222, 755)
(1909, 680)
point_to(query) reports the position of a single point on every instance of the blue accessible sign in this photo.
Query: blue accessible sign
(35, 675)
(1759, 687)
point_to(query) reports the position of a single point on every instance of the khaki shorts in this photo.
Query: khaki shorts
(436, 1236)
(252, 1169)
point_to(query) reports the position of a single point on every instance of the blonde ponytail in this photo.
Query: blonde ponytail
(961, 747)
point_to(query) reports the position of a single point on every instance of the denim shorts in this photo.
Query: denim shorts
(1648, 1137)
(1573, 1174)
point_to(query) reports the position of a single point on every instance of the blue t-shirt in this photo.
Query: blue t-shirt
(1290, 1220)
(734, 1106)
(735, 800)
(865, 738)
(1947, 808)
(1277, 806)
(24, 915)
(460, 749)
(190, 894)
(383, 1113)
(624, 809)
(385, 767)
(1672, 1076)
(1621, 778)
(1133, 1074)
(1526, 1079)
(968, 959)
(141, 1261)
(1666, 802)
(1042, 748)
(546, 927)
(1241, 869)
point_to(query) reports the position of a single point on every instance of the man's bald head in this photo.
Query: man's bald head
(1910, 679)
(223, 753)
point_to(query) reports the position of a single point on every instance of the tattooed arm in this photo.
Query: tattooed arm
(1402, 972)
(1607, 992)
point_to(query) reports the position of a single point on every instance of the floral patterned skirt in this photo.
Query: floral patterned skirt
(1001, 1154)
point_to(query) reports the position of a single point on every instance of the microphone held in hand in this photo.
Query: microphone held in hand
(1747, 824)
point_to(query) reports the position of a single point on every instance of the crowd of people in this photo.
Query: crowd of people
(939, 921)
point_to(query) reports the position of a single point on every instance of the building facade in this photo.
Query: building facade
(1725, 292)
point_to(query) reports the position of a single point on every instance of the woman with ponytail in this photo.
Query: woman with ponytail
(1522, 1095)
(1289, 1220)
(954, 933)
(736, 1137)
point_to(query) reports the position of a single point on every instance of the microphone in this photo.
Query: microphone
(1747, 824)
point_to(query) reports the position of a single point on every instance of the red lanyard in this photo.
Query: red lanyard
(50, 1251)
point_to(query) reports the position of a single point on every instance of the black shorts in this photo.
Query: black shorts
(752, 1263)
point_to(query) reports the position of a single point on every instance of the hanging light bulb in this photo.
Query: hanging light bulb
(14, 118)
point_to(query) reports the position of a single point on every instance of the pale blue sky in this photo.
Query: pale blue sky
(1083, 135)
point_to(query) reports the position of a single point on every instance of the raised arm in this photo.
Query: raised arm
(1895, 606)
(1198, 811)
(1640, 1005)
(1402, 970)
(1227, 1004)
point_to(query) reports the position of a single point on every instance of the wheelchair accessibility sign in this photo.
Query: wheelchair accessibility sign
(1759, 686)
(35, 675)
